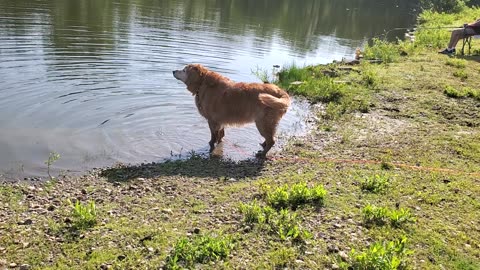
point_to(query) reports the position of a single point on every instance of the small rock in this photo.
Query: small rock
(343, 255)
(468, 246)
(25, 266)
(332, 249)
(299, 261)
(12, 265)
(140, 179)
(150, 249)
(167, 211)
(26, 222)
(337, 225)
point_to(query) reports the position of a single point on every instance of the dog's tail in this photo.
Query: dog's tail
(280, 103)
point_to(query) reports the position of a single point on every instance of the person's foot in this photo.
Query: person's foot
(447, 51)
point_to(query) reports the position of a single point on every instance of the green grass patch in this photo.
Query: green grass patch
(376, 183)
(199, 249)
(455, 62)
(382, 255)
(295, 195)
(383, 215)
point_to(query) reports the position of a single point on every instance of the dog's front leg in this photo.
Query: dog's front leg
(214, 128)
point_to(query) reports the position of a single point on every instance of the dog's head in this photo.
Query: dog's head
(192, 75)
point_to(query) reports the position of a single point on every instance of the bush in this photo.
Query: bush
(445, 6)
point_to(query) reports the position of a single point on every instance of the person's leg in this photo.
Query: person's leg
(455, 37)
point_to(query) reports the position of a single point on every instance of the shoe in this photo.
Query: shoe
(447, 51)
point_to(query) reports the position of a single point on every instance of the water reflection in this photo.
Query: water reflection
(91, 79)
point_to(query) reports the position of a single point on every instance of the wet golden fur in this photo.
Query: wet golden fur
(224, 102)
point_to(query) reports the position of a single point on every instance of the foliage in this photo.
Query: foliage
(452, 92)
(284, 224)
(390, 255)
(296, 195)
(198, 249)
(376, 183)
(386, 51)
(445, 6)
(84, 216)
(382, 215)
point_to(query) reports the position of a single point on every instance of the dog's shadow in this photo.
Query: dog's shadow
(204, 166)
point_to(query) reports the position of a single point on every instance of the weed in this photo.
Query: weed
(255, 213)
(383, 50)
(400, 216)
(286, 226)
(376, 183)
(458, 63)
(460, 74)
(296, 195)
(52, 157)
(390, 255)
(199, 249)
(369, 77)
(382, 215)
(84, 216)
(282, 257)
(375, 215)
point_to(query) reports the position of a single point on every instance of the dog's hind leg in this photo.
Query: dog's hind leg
(220, 135)
(214, 132)
(267, 129)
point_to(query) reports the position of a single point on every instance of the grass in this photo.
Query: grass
(198, 249)
(396, 137)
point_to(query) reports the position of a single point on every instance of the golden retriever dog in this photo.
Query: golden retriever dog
(224, 103)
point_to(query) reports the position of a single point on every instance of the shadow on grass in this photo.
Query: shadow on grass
(194, 166)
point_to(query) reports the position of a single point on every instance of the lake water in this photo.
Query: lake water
(92, 81)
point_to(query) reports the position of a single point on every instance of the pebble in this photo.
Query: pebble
(25, 266)
(12, 265)
(167, 211)
(343, 255)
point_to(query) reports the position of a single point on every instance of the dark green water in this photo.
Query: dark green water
(91, 79)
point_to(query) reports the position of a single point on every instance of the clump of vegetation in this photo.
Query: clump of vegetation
(286, 226)
(383, 215)
(452, 92)
(382, 50)
(390, 255)
(281, 257)
(376, 183)
(454, 62)
(84, 216)
(199, 249)
(255, 213)
(460, 74)
(284, 223)
(293, 196)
